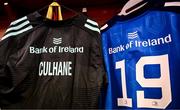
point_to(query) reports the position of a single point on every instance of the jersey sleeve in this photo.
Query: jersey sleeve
(99, 68)
(96, 60)
(6, 76)
(8, 57)
(96, 53)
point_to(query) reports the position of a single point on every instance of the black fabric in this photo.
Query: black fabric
(21, 86)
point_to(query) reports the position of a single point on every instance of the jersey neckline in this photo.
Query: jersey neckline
(69, 21)
(135, 15)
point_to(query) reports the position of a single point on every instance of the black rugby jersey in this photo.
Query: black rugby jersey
(51, 64)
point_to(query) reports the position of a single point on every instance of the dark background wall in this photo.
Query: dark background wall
(99, 10)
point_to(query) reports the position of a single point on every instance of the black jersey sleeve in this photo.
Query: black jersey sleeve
(96, 52)
(9, 46)
(97, 75)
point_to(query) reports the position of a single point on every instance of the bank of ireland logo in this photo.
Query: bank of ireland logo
(133, 35)
(57, 41)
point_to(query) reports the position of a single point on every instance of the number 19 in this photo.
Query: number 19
(163, 82)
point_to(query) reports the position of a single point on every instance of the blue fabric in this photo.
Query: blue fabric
(152, 34)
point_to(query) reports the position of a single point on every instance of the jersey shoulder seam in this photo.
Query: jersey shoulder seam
(18, 27)
(92, 25)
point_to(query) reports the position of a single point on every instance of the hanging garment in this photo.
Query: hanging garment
(51, 64)
(142, 58)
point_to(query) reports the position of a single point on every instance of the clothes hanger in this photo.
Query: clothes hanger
(167, 4)
(49, 14)
(143, 3)
(130, 4)
(84, 11)
(54, 11)
(58, 11)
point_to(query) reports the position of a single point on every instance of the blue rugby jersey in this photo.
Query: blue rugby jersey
(142, 57)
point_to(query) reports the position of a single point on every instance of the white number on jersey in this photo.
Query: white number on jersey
(163, 82)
